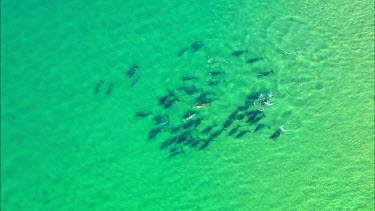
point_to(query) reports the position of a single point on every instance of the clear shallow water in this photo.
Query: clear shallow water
(66, 148)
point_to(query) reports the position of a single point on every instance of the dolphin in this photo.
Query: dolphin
(143, 114)
(175, 130)
(195, 123)
(260, 127)
(206, 97)
(135, 82)
(161, 120)
(233, 131)
(238, 53)
(181, 139)
(244, 107)
(215, 73)
(257, 119)
(228, 123)
(168, 142)
(188, 115)
(240, 117)
(208, 129)
(152, 134)
(196, 46)
(109, 89)
(189, 141)
(170, 102)
(252, 115)
(265, 73)
(196, 142)
(175, 151)
(98, 86)
(277, 133)
(242, 133)
(164, 99)
(215, 82)
(189, 90)
(216, 134)
(132, 70)
(250, 61)
(205, 145)
(252, 97)
(202, 105)
(233, 115)
(182, 51)
(188, 78)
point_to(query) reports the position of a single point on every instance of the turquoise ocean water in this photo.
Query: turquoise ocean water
(70, 140)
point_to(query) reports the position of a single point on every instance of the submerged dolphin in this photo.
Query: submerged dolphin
(250, 61)
(238, 53)
(261, 127)
(98, 86)
(132, 70)
(277, 133)
(209, 129)
(265, 73)
(109, 89)
(242, 133)
(175, 151)
(233, 131)
(182, 51)
(196, 46)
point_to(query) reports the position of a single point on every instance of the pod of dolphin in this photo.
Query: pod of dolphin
(189, 133)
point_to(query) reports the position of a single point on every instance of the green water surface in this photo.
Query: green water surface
(65, 147)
